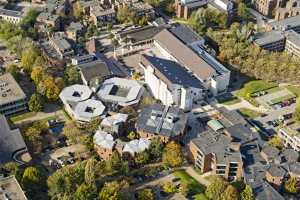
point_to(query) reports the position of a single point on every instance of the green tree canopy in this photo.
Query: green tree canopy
(276, 142)
(72, 75)
(243, 11)
(247, 193)
(216, 188)
(145, 194)
(172, 154)
(230, 193)
(36, 103)
(292, 185)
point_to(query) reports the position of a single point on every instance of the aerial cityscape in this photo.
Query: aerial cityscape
(150, 100)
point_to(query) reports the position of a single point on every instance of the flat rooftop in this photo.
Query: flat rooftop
(75, 93)
(185, 33)
(287, 23)
(268, 37)
(293, 37)
(10, 91)
(12, 13)
(11, 141)
(10, 189)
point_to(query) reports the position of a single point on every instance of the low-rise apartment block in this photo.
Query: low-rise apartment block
(265, 7)
(286, 9)
(166, 122)
(292, 43)
(11, 16)
(101, 15)
(291, 137)
(215, 152)
(62, 47)
(271, 41)
(291, 23)
(12, 97)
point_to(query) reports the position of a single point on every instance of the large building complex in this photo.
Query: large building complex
(179, 71)
(291, 137)
(11, 16)
(286, 9)
(265, 7)
(12, 97)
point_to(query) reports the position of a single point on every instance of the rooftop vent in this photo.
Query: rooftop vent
(76, 94)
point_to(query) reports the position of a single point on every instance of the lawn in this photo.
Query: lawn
(194, 186)
(294, 89)
(248, 113)
(252, 87)
(22, 116)
(200, 197)
(228, 100)
(282, 99)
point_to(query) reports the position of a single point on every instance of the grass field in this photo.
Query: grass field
(194, 186)
(248, 113)
(200, 197)
(228, 100)
(252, 87)
(22, 116)
(294, 89)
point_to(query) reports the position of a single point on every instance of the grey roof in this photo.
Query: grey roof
(231, 117)
(295, 168)
(88, 109)
(240, 132)
(137, 146)
(218, 144)
(276, 170)
(286, 24)
(171, 72)
(162, 120)
(271, 152)
(268, 37)
(184, 55)
(47, 16)
(75, 93)
(11, 141)
(120, 91)
(104, 140)
(290, 155)
(11, 189)
(61, 43)
(10, 91)
(12, 13)
(293, 37)
(94, 69)
(75, 26)
(185, 34)
(141, 34)
(265, 191)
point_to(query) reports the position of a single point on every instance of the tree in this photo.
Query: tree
(115, 162)
(291, 185)
(296, 114)
(129, 111)
(183, 189)
(169, 187)
(34, 138)
(29, 19)
(49, 88)
(72, 75)
(110, 191)
(172, 155)
(132, 135)
(155, 149)
(93, 125)
(28, 58)
(38, 74)
(145, 194)
(13, 70)
(125, 15)
(90, 171)
(216, 188)
(230, 193)
(71, 132)
(247, 193)
(77, 10)
(86, 192)
(276, 142)
(36, 103)
(243, 11)
(141, 158)
(32, 180)
(147, 101)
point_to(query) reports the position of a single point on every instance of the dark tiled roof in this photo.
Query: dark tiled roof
(171, 72)
(276, 171)
(271, 152)
(295, 168)
(141, 34)
(185, 34)
(93, 69)
(162, 120)
(290, 155)
(240, 132)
